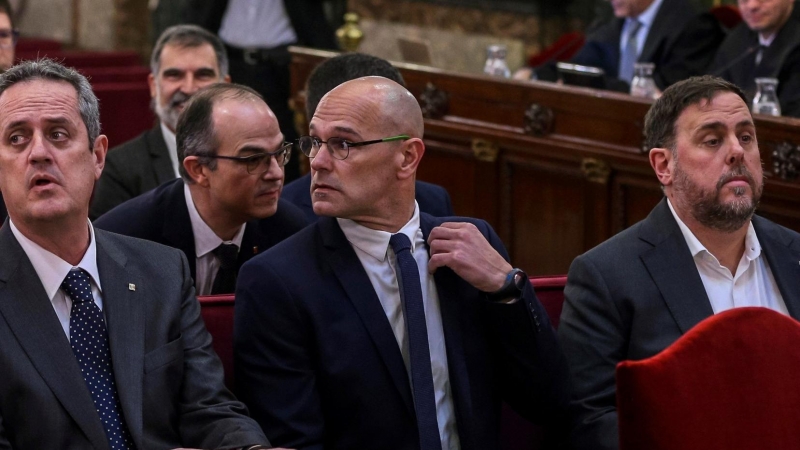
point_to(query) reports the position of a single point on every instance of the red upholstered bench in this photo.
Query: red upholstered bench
(124, 110)
(85, 58)
(120, 74)
(217, 312)
(32, 45)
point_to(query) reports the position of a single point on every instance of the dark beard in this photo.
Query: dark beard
(706, 207)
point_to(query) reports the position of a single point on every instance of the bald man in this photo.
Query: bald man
(380, 326)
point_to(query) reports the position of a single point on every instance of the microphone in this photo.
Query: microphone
(737, 60)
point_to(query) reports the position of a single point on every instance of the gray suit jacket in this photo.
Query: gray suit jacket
(634, 295)
(132, 169)
(169, 380)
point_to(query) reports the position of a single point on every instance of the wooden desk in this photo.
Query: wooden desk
(555, 169)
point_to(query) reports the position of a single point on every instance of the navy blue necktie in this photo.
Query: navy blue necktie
(89, 340)
(419, 352)
(225, 281)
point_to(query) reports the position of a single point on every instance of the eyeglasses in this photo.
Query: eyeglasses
(338, 147)
(254, 162)
(8, 38)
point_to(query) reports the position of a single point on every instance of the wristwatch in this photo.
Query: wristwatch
(512, 288)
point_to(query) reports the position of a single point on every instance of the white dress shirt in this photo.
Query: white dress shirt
(753, 284)
(646, 19)
(205, 241)
(372, 248)
(256, 24)
(52, 270)
(172, 147)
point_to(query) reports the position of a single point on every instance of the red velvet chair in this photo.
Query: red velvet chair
(730, 383)
(85, 58)
(561, 50)
(119, 74)
(32, 45)
(727, 15)
(517, 433)
(124, 110)
(217, 312)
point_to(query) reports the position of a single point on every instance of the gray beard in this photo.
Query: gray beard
(706, 207)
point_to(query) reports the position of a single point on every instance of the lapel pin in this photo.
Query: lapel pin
(255, 250)
(131, 287)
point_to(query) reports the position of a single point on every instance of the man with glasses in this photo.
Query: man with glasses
(380, 326)
(226, 206)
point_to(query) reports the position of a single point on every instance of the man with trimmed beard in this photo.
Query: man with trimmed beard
(185, 59)
(701, 251)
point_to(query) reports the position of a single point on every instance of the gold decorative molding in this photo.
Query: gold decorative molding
(595, 170)
(485, 150)
(538, 120)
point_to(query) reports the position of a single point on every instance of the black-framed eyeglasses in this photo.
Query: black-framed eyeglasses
(259, 163)
(8, 37)
(339, 148)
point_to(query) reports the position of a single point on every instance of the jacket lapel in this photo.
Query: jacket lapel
(123, 307)
(783, 256)
(661, 27)
(32, 319)
(177, 230)
(162, 164)
(673, 269)
(343, 261)
(451, 304)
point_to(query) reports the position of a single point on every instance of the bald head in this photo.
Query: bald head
(388, 104)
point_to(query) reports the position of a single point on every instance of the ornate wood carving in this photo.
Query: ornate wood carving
(539, 120)
(434, 102)
(595, 170)
(485, 150)
(786, 160)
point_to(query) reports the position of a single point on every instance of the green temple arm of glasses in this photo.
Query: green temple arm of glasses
(388, 139)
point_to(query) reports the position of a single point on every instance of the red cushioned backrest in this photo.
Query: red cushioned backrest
(561, 50)
(550, 291)
(728, 15)
(33, 45)
(217, 312)
(125, 74)
(731, 382)
(124, 110)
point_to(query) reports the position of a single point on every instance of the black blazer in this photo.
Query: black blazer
(680, 43)
(3, 212)
(432, 199)
(634, 295)
(161, 216)
(780, 60)
(169, 379)
(319, 367)
(307, 18)
(132, 169)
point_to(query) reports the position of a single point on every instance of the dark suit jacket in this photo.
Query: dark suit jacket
(633, 296)
(319, 366)
(432, 199)
(161, 216)
(307, 18)
(780, 60)
(3, 212)
(169, 380)
(680, 43)
(132, 169)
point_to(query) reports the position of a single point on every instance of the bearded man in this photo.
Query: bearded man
(185, 59)
(701, 251)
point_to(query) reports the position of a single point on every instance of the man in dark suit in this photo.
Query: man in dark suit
(257, 35)
(151, 379)
(233, 156)
(765, 45)
(338, 346)
(670, 34)
(185, 59)
(699, 252)
(330, 73)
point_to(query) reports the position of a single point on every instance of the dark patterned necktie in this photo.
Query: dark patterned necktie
(419, 352)
(630, 52)
(225, 281)
(89, 340)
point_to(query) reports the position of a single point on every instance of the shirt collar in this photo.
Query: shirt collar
(376, 242)
(766, 42)
(752, 248)
(205, 240)
(649, 15)
(51, 269)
